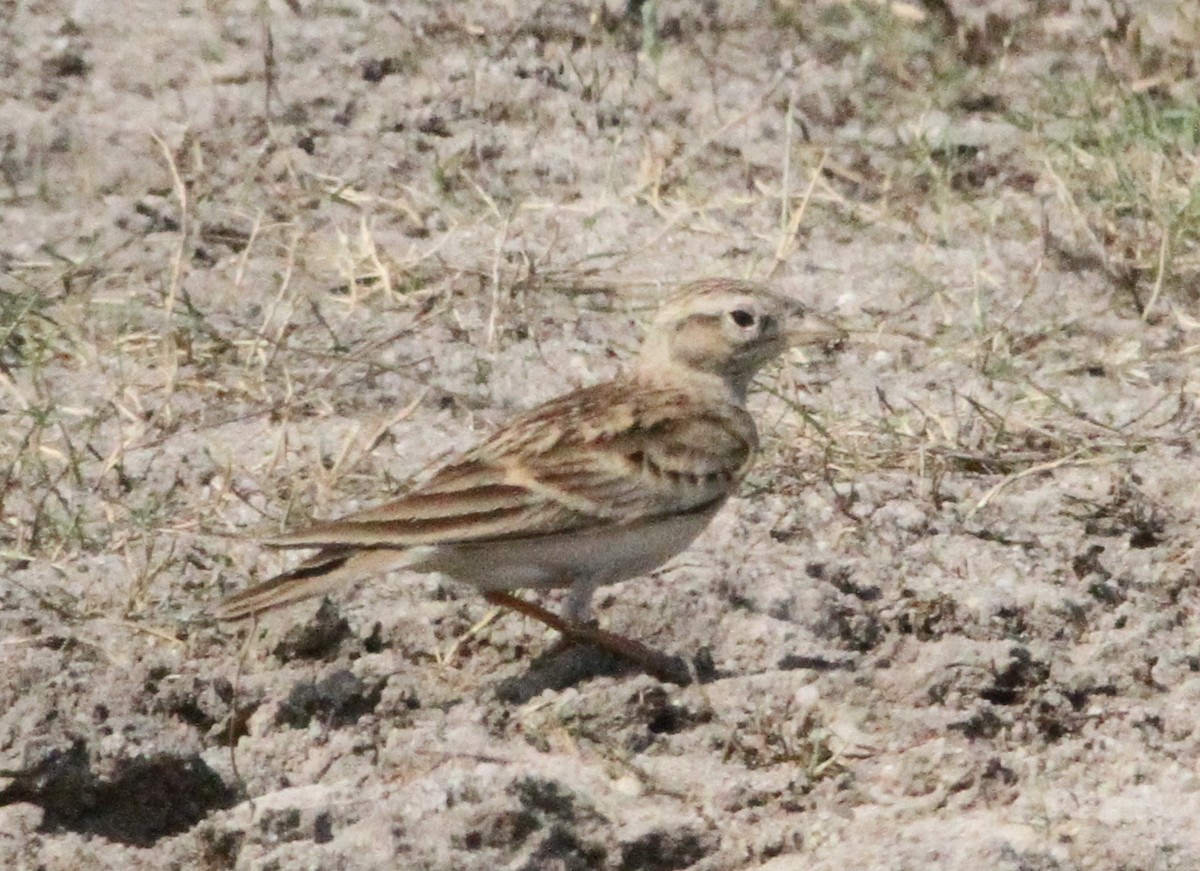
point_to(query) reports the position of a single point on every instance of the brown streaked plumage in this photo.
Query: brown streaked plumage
(593, 487)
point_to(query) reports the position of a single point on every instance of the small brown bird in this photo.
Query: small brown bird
(599, 485)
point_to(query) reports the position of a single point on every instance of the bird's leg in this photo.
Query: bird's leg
(578, 607)
(661, 666)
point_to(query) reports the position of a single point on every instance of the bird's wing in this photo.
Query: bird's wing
(601, 456)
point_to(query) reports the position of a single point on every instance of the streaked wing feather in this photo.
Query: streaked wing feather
(600, 456)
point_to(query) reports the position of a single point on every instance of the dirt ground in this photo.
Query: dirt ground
(262, 262)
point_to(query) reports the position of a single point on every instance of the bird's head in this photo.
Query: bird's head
(729, 329)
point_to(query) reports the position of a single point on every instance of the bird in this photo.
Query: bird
(600, 485)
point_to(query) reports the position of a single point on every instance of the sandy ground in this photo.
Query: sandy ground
(260, 263)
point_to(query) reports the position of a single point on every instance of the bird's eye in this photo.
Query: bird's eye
(742, 318)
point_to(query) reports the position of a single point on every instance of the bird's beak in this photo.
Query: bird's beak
(807, 328)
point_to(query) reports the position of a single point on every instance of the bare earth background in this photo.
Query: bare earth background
(261, 262)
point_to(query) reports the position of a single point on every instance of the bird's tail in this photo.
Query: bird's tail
(327, 570)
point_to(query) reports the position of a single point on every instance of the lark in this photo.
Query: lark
(600, 485)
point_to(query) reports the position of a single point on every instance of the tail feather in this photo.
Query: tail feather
(322, 573)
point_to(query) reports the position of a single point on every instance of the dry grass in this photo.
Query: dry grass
(1112, 159)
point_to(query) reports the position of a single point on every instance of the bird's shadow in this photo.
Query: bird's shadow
(564, 667)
